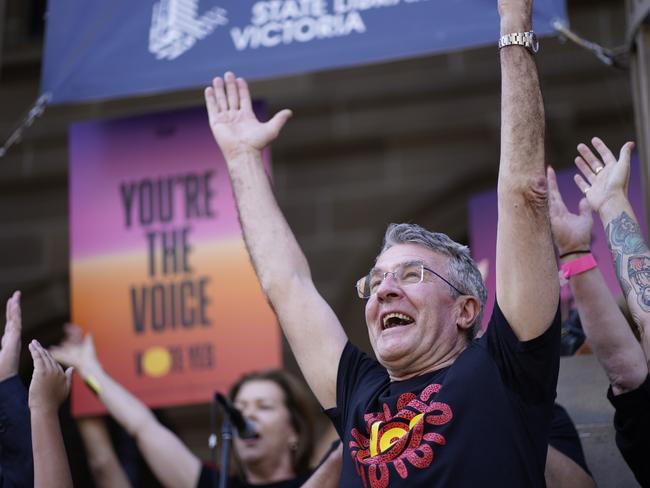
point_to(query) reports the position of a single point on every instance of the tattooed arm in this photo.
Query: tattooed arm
(604, 181)
(611, 339)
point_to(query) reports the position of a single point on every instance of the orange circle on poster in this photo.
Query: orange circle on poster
(156, 361)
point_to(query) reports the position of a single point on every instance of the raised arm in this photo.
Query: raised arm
(313, 330)
(604, 182)
(49, 387)
(170, 460)
(15, 434)
(103, 462)
(526, 274)
(610, 336)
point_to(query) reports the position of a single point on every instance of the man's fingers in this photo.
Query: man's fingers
(584, 168)
(37, 355)
(231, 91)
(626, 152)
(46, 358)
(68, 379)
(210, 103)
(593, 164)
(582, 184)
(219, 93)
(279, 119)
(606, 155)
(555, 197)
(245, 101)
(51, 362)
(13, 311)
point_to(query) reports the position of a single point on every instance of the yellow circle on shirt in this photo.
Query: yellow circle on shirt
(156, 361)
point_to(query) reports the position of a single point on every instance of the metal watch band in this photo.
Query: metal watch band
(526, 39)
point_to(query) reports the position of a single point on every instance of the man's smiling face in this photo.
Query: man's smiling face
(412, 326)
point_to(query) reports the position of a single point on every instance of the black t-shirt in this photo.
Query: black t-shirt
(564, 437)
(483, 421)
(208, 475)
(632, 424)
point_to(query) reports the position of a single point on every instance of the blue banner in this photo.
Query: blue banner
(97, 49)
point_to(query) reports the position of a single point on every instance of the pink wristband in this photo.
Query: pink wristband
(577, 266)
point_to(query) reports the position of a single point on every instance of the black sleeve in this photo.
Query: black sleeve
(530, 368)
(632, 424)
(356, 373)
(15, 435)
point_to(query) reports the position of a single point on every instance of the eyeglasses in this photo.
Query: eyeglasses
(410, 273)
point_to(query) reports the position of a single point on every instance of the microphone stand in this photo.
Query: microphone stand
(231, 418)
(212, 442)
(226, 442)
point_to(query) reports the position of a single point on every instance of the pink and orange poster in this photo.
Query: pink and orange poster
(160, 275)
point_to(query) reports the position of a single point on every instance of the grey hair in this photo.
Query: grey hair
(462, 270)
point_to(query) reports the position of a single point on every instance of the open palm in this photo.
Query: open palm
(602, 177)
(571, 232)
(232, 120)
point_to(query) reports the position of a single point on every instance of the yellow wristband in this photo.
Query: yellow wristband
(93, 384)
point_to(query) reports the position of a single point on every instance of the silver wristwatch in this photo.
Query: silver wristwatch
(526, 39)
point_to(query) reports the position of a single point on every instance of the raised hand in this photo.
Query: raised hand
(603, 178)
(75, 349)
(10, 345)
(50, 384)
(232, 120)
(571, 232)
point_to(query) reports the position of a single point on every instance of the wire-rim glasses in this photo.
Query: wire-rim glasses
(410, 273)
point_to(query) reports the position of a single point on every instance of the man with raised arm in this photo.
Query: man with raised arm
(437, 408)
(604, 182)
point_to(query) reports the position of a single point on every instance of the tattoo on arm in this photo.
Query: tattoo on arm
(628, 245)
(638, 269)
(624, 233)
(617, 257)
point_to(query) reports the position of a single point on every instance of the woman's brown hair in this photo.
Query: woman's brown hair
(299, 405)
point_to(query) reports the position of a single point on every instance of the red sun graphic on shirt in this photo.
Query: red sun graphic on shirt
(399, 439)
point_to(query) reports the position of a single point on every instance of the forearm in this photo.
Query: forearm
(527, 285)
(104, 464)
(275, 253)
(328, 474)
(610, 337)
(170, 460)
(125, 408)
(51, 468)
(284, 274)
(631, 261)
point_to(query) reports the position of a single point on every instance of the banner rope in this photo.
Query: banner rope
(617, 57)
(34, 112)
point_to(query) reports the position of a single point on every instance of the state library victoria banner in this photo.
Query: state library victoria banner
(159, 272)
(164, 45)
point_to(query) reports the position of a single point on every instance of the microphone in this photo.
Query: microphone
(245, 429)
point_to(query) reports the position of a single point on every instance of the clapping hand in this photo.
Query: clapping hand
(50, 384)
(10, 345)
